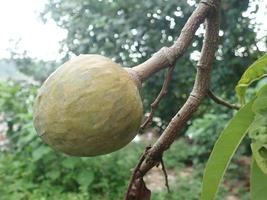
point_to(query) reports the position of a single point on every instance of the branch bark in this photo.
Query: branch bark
(167, 56)
(208, 9)
(199, 91)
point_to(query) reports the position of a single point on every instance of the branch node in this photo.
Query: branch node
(195, 96)
(169, 55)
(199, 91)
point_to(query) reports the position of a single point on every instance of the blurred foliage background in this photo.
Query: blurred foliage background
(129, 31)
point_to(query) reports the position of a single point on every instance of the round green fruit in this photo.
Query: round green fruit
(89, 106)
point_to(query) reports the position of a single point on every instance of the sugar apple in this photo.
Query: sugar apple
(89, 106)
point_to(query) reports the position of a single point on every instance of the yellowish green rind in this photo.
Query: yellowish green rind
(89, 106)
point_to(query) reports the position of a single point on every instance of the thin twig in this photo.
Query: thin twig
(162, 93)
(220, 101)
(165, 174)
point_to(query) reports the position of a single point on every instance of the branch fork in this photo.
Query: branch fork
(167, 57)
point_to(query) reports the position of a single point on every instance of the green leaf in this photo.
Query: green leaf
(255, 72)
(70, 163)
(54, 174)
(258, 130)
(224, 149)
(260, 104)
(85, 177)
(258, 183)
(262, 91)
(40, 152)
(260, 155)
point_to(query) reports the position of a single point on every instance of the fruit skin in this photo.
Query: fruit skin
(89, 106)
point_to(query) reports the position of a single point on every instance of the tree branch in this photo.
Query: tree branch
(167, 56)
(142, 158)
(220, 101)
(209, 9)
(198, 93)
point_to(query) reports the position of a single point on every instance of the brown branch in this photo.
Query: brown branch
(142, 158)
(201, 84)
(199, 91)
(167, 56)
(220, 101)
(162, 93)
